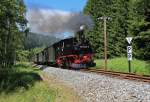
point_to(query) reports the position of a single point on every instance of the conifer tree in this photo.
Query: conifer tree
(12, 26)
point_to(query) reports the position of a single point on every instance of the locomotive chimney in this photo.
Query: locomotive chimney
(81, 33)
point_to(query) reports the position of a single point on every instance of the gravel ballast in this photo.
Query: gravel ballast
(100, 88)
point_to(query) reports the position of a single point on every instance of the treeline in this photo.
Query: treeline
(33, 44)
(12, 30)
(34, 40)
(128, 18)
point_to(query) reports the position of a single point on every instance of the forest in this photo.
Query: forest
(129, 18)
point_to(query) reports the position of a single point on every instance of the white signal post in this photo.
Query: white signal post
(129, 52)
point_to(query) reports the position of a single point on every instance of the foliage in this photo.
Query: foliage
(22, 55)
(140, 27)
(18, 77)
(117, 26)
(33, 44)
(12, 28)
(27, 55)
(38, 40)
(24, 84)
(121, 65)
(33, 52)
(39, 93)
(128, 18)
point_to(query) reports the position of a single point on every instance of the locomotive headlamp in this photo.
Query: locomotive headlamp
(82, 27)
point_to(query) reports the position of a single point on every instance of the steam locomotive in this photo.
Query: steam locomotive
(74, 52)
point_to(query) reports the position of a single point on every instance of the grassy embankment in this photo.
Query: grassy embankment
(121, 65)
(24, 84)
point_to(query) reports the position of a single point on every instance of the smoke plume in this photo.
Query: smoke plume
(55, 21)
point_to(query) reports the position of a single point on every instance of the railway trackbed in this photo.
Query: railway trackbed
(101, 88)
(129, 76)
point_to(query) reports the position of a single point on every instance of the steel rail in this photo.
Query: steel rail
(129, 76)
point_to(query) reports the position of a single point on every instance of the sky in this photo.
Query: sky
(47, 9)
(64, 5)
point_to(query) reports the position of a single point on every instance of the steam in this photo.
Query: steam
(54, 21)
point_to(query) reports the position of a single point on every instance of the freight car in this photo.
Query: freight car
(75, 52)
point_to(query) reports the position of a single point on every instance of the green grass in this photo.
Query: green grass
(121, 65)
(38, 93)
(24, 84)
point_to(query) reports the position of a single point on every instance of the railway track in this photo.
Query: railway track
(122, 75)
(129, 76)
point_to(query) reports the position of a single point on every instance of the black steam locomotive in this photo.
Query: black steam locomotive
(75, 52)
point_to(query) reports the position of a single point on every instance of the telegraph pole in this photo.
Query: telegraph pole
(105, 43)
(105, 38)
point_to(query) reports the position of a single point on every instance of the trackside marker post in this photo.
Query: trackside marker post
(129, 52)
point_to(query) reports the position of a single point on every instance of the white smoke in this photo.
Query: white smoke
(48, 21)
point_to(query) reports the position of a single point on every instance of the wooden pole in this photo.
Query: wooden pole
(105, 43)
(105, 39)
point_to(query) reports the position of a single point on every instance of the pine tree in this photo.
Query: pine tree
(140, 28)
(12, 26)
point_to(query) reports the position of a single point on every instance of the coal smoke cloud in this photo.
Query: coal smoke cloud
(46, 21)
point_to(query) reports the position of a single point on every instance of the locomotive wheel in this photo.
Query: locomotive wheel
(59, 66)
(66, 64)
